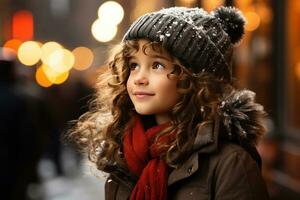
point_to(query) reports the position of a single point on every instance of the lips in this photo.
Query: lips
(142, 95)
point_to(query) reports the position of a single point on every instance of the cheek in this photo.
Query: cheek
(129, 85)
(170, 92)
(129, 88)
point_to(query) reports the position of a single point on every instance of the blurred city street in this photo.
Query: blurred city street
(79, 182)
(80, 187)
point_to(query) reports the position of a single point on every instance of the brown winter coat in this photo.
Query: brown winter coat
(218, 169)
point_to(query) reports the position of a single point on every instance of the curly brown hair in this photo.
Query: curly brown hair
(100, 131)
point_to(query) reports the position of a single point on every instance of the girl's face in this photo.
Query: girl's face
(148, 86)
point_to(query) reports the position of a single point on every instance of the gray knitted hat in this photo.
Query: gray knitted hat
(200, 40)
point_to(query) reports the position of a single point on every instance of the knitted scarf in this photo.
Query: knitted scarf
(143, 159)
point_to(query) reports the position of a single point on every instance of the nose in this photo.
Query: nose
(141, 77)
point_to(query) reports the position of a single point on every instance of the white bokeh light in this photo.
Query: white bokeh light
(111, 11)
(61, 60)
(29, 53)
(103, 31)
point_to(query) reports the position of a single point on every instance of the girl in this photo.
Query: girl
(167, 122)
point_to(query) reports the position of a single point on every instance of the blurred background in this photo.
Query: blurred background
(52, 50)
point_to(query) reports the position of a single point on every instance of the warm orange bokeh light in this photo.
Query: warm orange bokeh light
(54, 77)
(41, 78)
(61, 78)
(83, 58)
(13, 44)
(22, 25)
(253, 21)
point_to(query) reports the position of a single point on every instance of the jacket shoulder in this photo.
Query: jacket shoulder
(236, 174)
(228, 148)
(228, 173)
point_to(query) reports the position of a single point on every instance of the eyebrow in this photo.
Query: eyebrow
(154, 56)
(159, 56)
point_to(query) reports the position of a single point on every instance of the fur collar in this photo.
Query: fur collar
(238, 118)
(241, 117)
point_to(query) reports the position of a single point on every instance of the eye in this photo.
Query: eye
(133, 66)
(157, 65)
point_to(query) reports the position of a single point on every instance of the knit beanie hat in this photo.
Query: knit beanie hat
(200, 40)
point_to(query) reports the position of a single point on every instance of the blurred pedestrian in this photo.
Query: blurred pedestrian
(22, 135)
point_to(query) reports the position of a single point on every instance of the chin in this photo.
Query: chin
(144, 112)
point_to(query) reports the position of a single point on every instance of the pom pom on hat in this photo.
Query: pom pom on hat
(232, 22)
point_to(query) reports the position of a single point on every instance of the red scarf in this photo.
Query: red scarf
(142, 158)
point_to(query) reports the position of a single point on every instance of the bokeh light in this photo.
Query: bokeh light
(61, 60)
(253, 21)
(53, 76)
(47, 49)
(22, 25)
(49, 72)
(41, 78)
(61, 78)
(103, 31)
(13, 44)
(29, 53)
(83, 58)
(111, 12)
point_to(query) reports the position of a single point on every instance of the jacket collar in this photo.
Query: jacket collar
(207, 142)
